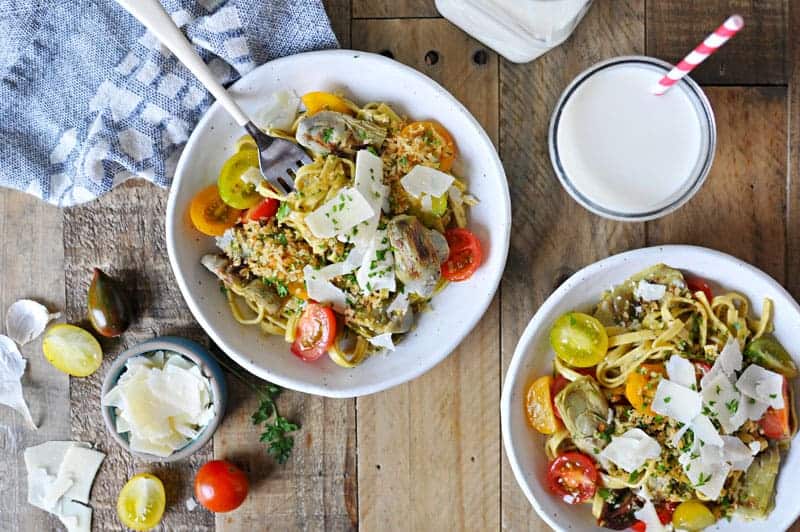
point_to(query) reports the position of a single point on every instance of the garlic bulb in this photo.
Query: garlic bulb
(26, 320)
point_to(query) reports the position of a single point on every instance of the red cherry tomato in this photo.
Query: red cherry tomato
(220, 486)
(315, 333)
(698, 284)
(262, 211)
(665, 511)
(701, 368)
(465, 256)
(573, 477)
(639, 526)
(775, 423)
(558, 384)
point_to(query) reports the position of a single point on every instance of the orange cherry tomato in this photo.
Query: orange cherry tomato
(539, 406)
(465, 254)
(315, 333)
(775, 423)
(324, 101)
(220, 486)
(298, 290)
(437, 138)
(640, 388)
(573, 477)
(639, 526)
(262, 211)
(698, 284)
(209, 214)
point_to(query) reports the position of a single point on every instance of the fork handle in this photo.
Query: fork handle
(153, 16)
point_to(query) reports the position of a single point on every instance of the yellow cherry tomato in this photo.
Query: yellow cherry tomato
(141, 502)
(246, 142)
(324, 101)
(539, 406)
(640, 386)
(436, 138)
(233, 190)
(692, 516)
(210, 215)
(72, 350)
(579, 339)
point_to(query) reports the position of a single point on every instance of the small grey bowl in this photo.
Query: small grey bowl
(208, 366)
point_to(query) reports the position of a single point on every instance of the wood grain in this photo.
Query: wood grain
(553, 236)
(394, 9)
(756, 56)
(31, 266)
(123, 234)
(339, 13)
(793, 183)
(741, 207)
(428, 450)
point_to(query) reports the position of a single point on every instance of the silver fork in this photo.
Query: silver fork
(278, 158)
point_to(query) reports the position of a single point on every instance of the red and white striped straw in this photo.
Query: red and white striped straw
(699, 54)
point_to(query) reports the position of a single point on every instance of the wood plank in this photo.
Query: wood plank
(123, 234)
(553, 236)
(317, 488)
(756, 56)
(32, 263)
(428, 451)
(741, 208)
(394, 9)
(793, 188)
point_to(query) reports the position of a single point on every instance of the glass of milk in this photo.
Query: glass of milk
(520, 30)
(623, 152)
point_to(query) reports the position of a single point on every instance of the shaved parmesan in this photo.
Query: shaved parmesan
(425, 180)
(377, 268)
(74, 516)
(722, 399)
(736, 453)
(280, 110)
(749, 409)
(79, 468)
(706, 472)
(369, 182)
(649, 291)
(631, 450)
(324, 291)
(730, 359)
(399, 304)
(704, 430)
(681, 371)
(676, 401)
(762, 385)
(383, 341)
(340, 214)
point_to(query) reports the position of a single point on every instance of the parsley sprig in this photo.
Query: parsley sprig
(276, 427)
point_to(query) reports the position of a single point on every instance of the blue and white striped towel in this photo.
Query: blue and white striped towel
(89, 99)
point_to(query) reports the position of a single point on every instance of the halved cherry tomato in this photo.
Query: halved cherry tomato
(210, 215)
(435, 136)
(315, 333)
(324, 101)
(298, 290)
(692, 516)
(665, 511)
(579, 340)
(698, 284)
(639, 526)
(775, 423)
(701, 368)
(640, 387)
(262, 211)
(539, 406)
(559, 383)
(465, 256)
(232, 188)
(573, 477)
(220, 486)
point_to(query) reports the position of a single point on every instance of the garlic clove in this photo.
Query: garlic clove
(26, 320)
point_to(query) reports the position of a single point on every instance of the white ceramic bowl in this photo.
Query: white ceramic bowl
(364, 77)
(533, 357)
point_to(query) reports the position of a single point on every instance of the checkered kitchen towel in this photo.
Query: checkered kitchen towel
(89, 99)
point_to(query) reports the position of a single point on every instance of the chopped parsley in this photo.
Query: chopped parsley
(635, 475)
(667, 399)
(283, 210)
(702, 480)
(327, 135)
(732, 405)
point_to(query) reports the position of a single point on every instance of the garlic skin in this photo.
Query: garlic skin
(26, 320)
(12, 366)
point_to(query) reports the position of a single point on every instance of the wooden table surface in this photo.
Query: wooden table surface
(426, 455)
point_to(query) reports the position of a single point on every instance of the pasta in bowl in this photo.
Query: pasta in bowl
(668, 402)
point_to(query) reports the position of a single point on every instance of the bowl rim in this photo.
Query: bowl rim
(523, 347)
(392, 380)
(188, 349)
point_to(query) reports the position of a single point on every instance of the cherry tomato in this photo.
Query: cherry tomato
(692, 516)
(573, 477)
(775, 423)
(579, 339)
(315, 333)
(324, 101)
(437, 138)
(698, 284)
(220, 486)
(639, 526)
(539, 406)
(465, 256)
(262, 211)
(141, 502)
(665, 511)
(559, 383)
(210, 215)
(638, 390)
(232, 188)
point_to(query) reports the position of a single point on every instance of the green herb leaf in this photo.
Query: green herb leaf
(283, 210)
(276, 427)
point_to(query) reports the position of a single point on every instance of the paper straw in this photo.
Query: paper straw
(710, 45)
